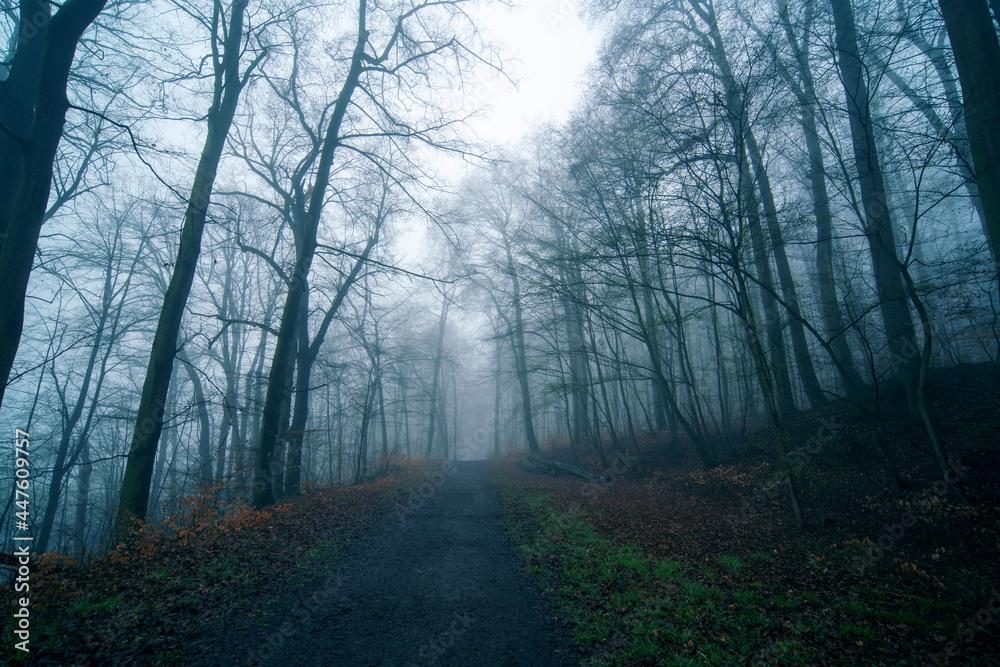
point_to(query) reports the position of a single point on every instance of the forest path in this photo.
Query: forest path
(436, 583)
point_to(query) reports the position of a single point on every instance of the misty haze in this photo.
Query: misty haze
(508, 332)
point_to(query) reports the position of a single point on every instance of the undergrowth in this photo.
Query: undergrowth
(155, 595)
(631, 606)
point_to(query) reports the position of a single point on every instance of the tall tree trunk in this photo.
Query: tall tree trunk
(767, 389)
(721, 377)
(877, 222)
(286, 340)
(161, 458)
(612, 428)
(230, 422)
(204, 426)
(803, 360)
(277, 465)
(736, 108)
(134, 497)
(772, 311)
(804, 87)
(520, 352)
(643, 251)
(361, 469)
(701, 447)
(64, 458)
(496, 398)
(406, 413)
(304, 359)
(84, 474)
(436, 373)
(253, 391)
(973, 38)
(381, 400)
(41, 66)
(340, 436)
(444, 421)
(833, 319)
(595, 438)
(576, 301)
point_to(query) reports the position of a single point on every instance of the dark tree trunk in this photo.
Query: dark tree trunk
(767, 388)
(877, 222)
(803, 359)
(86, 470)
(17, 94)
(61, 469)
(24, 206)
(436, 375)
(736, 111)
(204, 425)
(977, 56)
(286, 340)
(305, 359)
(520, 352)
(149, 421)
(804, 88)
(496, 398)
(643, 251)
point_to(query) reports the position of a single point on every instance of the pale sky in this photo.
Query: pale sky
(550, 48)
(554, 48)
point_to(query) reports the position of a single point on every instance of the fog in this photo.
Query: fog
(288, 244)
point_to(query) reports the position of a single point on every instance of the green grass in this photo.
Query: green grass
(852, 630)
(731, 563)
(86, 605)
(628, 606)
(637, 607)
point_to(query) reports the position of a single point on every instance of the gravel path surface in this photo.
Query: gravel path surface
(436, 583)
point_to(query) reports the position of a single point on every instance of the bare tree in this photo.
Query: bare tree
(973, 39)
(33, 106)
(229, 44)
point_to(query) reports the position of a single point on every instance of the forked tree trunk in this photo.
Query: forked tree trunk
(877, 222)
(284, 351)
(804, 88)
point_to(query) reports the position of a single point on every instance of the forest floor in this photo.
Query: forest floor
(672, 565)
(206, 577)
(413, 569)
(667, 565)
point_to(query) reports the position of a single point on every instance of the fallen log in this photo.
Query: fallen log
(543, 466)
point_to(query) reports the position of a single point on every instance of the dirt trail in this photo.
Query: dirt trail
(436, 584)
